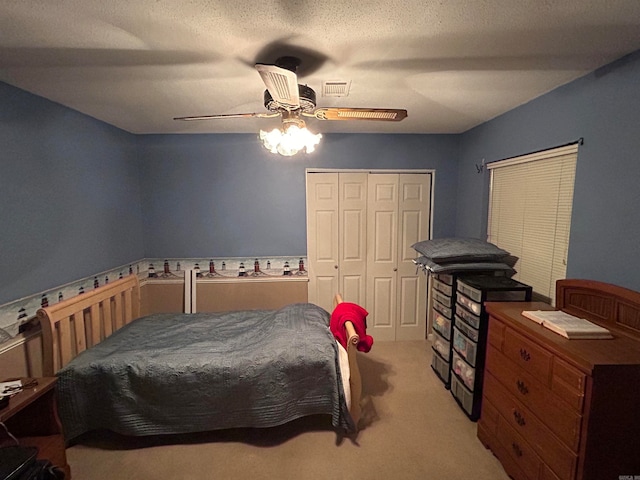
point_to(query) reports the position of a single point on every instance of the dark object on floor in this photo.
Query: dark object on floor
(21, 463)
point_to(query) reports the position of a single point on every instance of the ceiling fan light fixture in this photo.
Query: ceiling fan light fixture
(287, 142)
(290, 139)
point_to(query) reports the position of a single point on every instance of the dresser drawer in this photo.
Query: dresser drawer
(495, 336)
(519, 451)
(550, 449)
(527, 355)
(547, 474)
(568, 383)
(489, 418)
(536, 397)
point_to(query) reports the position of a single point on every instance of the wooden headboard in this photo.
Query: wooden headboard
(73, 325)
(613, 307)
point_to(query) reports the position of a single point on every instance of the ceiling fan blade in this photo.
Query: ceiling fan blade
(229, 115)
(379, 114)
(281, 83)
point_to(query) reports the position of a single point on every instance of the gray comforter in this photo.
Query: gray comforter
(178, 373)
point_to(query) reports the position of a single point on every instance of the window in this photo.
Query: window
(530, 214)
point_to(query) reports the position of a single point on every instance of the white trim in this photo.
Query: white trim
(369, 170)
(544, 154)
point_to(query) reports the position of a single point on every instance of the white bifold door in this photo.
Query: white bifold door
(360, 228)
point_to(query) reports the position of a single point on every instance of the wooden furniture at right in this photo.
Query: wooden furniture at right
(559, 409)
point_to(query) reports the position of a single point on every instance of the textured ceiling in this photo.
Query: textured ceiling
(452, 64)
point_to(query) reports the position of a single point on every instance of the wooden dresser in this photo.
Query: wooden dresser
(558, 409)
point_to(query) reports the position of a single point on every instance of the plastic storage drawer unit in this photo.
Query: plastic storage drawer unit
(441, 345)
(442, 325)
(464, 346)
(463, 371)
(441, 367)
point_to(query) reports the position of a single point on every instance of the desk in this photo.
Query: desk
(32, 418)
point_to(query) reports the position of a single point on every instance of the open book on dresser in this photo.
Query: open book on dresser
(567, 325)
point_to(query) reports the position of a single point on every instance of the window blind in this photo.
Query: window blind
(530, 214)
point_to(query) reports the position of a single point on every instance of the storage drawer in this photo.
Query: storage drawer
(441, 367)
(443, 287)
(569, 383)
(495, 336)
(535, 396)
(470, 318)
(442, 325)
(518, 449)
(442, 298)
(473, 307)
(464, 346)
(464, 396)
(463, 370)
(444, 278)
(522, 420)
(444, 310)
(527, 355)
(441, 345)
(470, 292)
(547, 474)
(489, 419)
(468, 330)
(498, 289)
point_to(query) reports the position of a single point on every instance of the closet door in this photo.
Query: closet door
(382, 253)
(414, 217)
(352, 231)
(336, 237)
(360, 228)
(322, 238)
(398, 216)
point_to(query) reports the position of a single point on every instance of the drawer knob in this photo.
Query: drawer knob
(516, 449)
(519, 418)
(526, 356)
(522, 388)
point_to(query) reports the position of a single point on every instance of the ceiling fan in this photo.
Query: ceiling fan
(284, 96)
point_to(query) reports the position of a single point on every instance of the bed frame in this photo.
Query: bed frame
(71, 326)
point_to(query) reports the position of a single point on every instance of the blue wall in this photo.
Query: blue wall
(69, 195)
(225, 195)
(603, 108)
(79, 196)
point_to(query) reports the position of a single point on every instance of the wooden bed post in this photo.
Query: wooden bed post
(355, 380)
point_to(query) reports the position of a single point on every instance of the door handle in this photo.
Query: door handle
(395, 269)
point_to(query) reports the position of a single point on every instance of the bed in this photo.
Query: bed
(186, 373)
